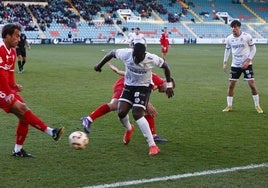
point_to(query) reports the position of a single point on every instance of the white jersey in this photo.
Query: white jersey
(141, 74)
(138, 38)
(240, 47)
(130, 37)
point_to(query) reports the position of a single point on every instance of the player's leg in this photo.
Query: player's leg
(150, 115)
(25, 114)
(123, 109)
(19, 62)
(100, 111)
(21, 133)
(235, 73)
(23, 61)
(255, 96)
(138, 112)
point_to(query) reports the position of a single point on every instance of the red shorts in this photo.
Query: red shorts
(164, 49)
(6, 106)
(117, 93)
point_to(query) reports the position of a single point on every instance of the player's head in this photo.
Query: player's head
(11, 35)
(235, 25)
(138, 52)
(137, 30)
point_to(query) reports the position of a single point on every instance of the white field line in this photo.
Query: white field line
(180, 176)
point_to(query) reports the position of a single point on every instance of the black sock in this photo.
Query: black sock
(22, 64)
(19, 65)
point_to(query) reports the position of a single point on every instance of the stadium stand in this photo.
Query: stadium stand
(49, 19)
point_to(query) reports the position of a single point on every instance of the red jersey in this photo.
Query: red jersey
(164, 39)
(7, 66)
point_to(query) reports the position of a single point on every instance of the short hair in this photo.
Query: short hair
(132, 29)
(235, 23)
(9, 29)
(139, 48)
(137, 28)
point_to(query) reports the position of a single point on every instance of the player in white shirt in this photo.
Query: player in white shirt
(137, 90)
(243, 51)
(138, 37)
(130, 37)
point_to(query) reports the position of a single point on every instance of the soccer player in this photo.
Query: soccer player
(138, 37)
(137, 88)
(243, 51)
(118, 87)
(10, 100)
(164, 43)
(21, 51)
(130, 37)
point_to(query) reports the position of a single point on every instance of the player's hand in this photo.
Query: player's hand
(9, 99)
(169, 92)
(224, 67)
(18, 88)
(97, 68)
(246, 63)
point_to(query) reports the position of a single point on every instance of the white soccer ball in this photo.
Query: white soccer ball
(78, 140)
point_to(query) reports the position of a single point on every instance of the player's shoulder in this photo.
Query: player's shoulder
(245, 34)
(123, 52)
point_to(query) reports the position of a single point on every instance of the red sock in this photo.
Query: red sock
(33, 120)
(151, 122)
(22, 130)
(100, 111)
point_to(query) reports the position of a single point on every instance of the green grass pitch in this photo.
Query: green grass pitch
(60, 86)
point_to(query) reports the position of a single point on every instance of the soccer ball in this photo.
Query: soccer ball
(78, 140)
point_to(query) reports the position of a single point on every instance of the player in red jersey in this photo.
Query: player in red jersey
(10, 100)
(151, 112)
(164, 43)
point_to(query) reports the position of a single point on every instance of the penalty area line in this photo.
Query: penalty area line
(180, 176)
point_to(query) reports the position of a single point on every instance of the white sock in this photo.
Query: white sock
(229, 101)
(49, 131)
(17, 148)
(256, 100)
(89, 118)
(145, 129)
(126, 123)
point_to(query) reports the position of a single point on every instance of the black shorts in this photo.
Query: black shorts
(21, 51)
(236, 72)
(136, 95)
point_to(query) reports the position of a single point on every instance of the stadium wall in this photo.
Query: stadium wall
(121, 41)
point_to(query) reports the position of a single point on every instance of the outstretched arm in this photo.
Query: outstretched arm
(116, 70)
(104, 60)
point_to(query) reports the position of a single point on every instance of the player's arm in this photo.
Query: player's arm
(169, 90)
(116, 70)
(145, 42)
(225, 59)
(104, 60)
(6, 90)
(250, 57)
(27, 44)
